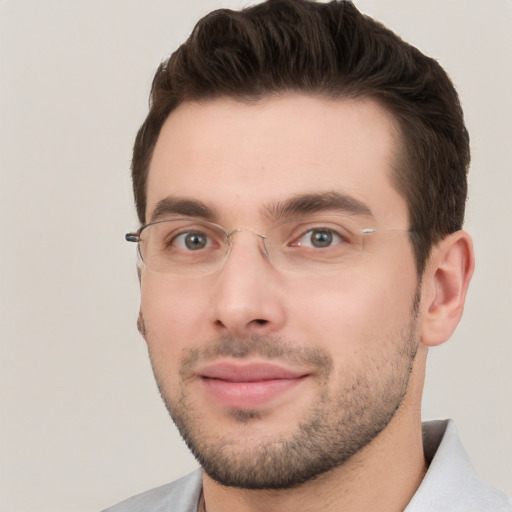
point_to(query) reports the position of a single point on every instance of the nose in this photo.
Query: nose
(248, 294)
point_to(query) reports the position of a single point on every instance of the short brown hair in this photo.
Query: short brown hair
(332, 50)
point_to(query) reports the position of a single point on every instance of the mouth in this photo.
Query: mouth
(248, 385)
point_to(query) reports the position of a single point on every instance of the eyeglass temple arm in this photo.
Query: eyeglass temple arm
(131, 237)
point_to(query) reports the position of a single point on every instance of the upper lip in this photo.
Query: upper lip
(253, 371)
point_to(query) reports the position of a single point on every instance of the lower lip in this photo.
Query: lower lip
(248, 395)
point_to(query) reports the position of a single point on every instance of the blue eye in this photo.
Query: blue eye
(319, 238)
(192, 241)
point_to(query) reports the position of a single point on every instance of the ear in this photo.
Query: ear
(444, 286)
(141, 325)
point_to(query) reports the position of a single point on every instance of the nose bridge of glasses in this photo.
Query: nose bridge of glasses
(261, 236)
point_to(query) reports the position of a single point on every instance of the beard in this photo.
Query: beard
(338, 425)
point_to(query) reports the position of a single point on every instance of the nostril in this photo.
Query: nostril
(259, 321)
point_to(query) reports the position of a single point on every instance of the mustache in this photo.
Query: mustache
(266, 347)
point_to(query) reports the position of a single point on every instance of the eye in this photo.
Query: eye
(319, 238)
(191, 241)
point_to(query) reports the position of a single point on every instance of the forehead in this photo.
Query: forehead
(237, 157)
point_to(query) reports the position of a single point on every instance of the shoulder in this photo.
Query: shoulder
(179, 496)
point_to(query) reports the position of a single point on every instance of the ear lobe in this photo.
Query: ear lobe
(445, 283)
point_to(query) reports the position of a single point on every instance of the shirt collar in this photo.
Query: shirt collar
(450, 483)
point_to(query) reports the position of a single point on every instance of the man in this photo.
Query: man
(300, 181)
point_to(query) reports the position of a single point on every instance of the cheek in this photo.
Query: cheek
(347, 316)
(172, 319)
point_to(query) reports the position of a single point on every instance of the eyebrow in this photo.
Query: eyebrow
(298, 205)
(181, 206)
(315, 203)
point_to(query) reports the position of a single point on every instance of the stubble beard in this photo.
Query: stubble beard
(333, 430)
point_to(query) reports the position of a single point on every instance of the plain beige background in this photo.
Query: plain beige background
(82, 425)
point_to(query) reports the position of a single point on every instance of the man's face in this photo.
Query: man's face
(274, 376)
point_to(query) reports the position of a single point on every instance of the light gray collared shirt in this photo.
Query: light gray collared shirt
(450, 484)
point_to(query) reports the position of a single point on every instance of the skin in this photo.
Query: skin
(238, 159)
